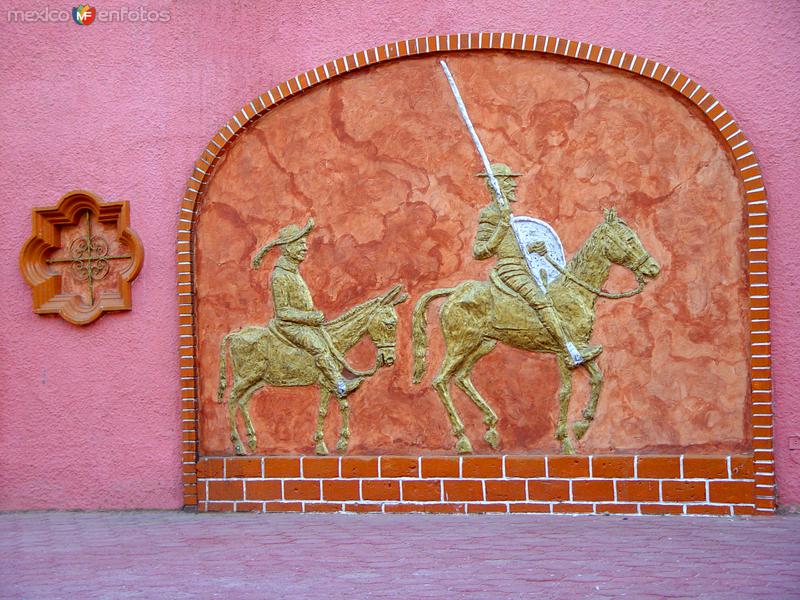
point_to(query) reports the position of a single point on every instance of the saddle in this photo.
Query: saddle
(284, 363)
(510, 310)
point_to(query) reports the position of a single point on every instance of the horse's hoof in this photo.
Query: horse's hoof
(341, 445)
(321, 448)
(463, 446)
(580, 428)
(566, 446)
(239, 450)
(251, 443)
(492, 438)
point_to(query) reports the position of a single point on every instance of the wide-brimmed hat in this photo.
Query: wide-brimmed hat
(287, 235)
(500, 170)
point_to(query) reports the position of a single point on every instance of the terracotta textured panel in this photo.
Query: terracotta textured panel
(382, 162)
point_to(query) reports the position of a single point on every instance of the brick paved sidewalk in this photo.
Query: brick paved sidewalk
(182, 555)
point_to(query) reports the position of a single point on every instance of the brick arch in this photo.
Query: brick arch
(747, 170)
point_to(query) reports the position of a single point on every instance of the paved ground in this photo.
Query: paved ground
(182, 555)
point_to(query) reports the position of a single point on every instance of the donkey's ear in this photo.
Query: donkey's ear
(611, 215)
(400, 299)
(389, 296)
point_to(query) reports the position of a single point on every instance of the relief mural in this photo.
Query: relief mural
(624, 187)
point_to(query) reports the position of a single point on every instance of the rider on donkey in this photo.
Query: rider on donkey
(296, 318)
(495, 238)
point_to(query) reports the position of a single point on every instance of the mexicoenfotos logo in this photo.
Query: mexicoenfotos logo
(83, 14)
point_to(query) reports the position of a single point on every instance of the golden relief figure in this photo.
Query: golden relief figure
(495, 238)
(533, 300)
(299, 347)
(550, 309)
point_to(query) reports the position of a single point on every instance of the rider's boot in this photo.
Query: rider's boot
(332, 375)
(575, 357)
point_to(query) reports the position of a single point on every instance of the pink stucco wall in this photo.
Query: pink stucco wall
(89, 417)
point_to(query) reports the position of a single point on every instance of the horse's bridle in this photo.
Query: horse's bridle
(641, 259)
(640, 277)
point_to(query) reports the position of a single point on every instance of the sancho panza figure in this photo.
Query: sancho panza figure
(495, 238)
(296, 318)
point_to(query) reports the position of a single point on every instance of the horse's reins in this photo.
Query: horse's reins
(597, 291)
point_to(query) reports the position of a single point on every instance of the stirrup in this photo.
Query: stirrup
(591, 352)
(345, 386)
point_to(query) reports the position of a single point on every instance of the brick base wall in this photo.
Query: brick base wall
(715, 485)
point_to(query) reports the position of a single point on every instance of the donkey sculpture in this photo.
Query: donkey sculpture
(261, 357)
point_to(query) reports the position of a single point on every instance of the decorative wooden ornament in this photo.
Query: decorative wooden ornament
(81, 258)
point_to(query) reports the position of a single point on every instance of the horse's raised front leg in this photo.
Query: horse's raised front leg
(564, 393)
(244, 406)
(344, 435)
(319, 436)
(464, 383)
(596, 383)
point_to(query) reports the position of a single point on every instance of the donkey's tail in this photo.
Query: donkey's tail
(223, 368)
(419, 334)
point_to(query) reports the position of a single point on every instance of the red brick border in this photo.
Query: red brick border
(749, 173)
(680, 484)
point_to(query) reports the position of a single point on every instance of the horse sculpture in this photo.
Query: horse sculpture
(477, 315)
(261, 357)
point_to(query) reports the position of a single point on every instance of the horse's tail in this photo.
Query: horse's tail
(419, 334)
(223, 368)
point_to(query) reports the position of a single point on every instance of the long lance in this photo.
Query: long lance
(495, 185)
(498, 193)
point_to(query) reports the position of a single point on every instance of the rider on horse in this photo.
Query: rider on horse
(495, 238)
(296, 318)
